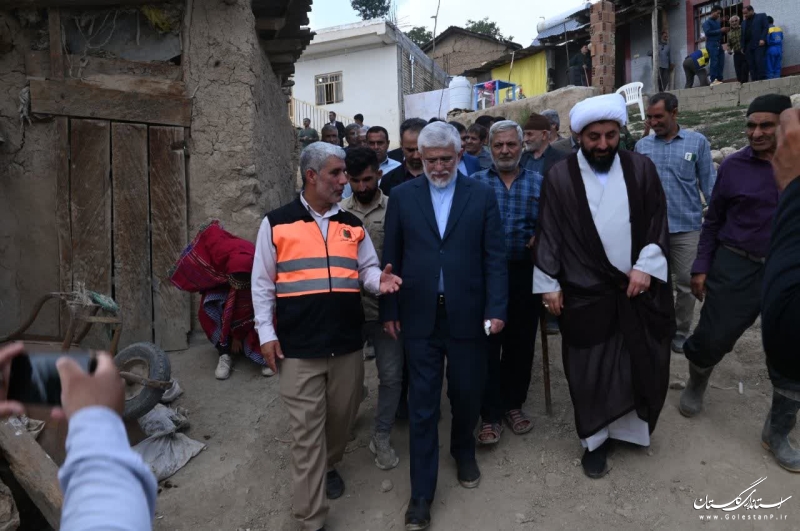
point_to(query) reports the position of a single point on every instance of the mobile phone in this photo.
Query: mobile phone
(34, 377)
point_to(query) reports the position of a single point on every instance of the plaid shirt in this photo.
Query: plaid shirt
(519, 207)
(683, 164)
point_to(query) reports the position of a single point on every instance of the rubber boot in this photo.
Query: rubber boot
(692, 396)
(775, 435)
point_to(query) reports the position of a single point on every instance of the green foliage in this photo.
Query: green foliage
(419, 35)
(370, 9)
(486, 27)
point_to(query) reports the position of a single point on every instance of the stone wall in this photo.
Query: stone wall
(734, 94)
(562, 100)
(242, 142)
(29, 265)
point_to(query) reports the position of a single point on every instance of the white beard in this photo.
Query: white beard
(438, 183)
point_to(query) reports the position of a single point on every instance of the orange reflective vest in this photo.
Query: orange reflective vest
(318, 297)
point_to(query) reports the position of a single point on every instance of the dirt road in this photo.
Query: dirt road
(242, 480)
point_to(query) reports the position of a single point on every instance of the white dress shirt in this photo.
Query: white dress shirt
(264, 270)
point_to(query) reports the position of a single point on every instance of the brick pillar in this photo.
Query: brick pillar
(602, 41)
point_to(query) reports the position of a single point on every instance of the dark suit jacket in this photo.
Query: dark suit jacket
(472, 163)
(551, 156)
(565, 146)
(760, 30)
(471, 254)
(396, 177)
(340, 127)
(396, 154)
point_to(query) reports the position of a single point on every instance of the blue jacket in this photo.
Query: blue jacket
(472, 163)
(775, 36)
(760, 30)
(472, 256)
(713, 30)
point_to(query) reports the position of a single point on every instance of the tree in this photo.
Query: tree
(486, 27)
(419, 35)
(370, 9)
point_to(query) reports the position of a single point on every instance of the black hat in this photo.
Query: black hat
(774, 103)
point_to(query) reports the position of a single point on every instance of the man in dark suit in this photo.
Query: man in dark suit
(444, 235)
(539, 155)
(469, 164)
(339, 127)
(755, 30)
(569, 145)
(411, 166)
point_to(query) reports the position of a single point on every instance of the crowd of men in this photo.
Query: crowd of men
(756, 45)
(445, 252)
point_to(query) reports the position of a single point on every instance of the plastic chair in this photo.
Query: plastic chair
(633, 94)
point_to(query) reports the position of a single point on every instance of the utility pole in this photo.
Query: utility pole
(654, 23)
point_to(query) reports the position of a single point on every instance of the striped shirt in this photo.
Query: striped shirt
(684, 164)
(519, 207)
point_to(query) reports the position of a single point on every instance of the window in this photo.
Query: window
(329, 88)
(702, 13)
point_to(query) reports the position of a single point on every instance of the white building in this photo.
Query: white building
(363, 68)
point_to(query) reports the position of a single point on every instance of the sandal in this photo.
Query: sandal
(490, 433)
(518, 421)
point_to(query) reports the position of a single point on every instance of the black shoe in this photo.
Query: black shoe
(595, 462)
(469, 475)
(402, 410)
(418, 515)
(334, 485)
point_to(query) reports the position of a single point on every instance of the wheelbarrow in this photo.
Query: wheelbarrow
(143, 366)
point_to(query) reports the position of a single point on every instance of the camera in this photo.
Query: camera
(34, 377)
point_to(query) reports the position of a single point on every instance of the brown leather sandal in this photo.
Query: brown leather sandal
(518, 421)
(490, 433)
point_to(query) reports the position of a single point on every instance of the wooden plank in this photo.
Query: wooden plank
(270, 23)
(63, 218)
(168, 211)
(131, 207)
(37, 64)
(33, 469)
(82, 100)
(283, 45)
(56, 55)
(90, 201)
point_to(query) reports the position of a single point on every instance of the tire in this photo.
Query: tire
(144, 359)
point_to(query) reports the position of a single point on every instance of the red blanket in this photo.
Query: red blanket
(218, 265)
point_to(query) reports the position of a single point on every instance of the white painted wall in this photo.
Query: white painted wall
(370, 85)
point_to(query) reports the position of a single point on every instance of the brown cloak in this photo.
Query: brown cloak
(616, 350)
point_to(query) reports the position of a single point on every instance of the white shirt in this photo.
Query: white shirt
(264, 270)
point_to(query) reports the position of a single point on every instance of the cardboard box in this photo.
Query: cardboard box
(602, 27)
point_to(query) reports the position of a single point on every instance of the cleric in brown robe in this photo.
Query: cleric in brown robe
(600, 256)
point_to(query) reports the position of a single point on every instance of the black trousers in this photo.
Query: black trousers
(732, 304)
(757, 62)
(690, 69)
(511, 351)
(741, 67)
(466, 375)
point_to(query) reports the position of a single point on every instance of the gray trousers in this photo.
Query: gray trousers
(732, 305)
(682, 253)
(389, 360)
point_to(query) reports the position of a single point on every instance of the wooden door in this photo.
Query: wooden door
(127, 224)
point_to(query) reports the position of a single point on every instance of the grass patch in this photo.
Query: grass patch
(722, 127)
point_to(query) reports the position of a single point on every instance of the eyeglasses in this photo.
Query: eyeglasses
(444, 161)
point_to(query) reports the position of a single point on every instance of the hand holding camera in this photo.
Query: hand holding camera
(67, 381)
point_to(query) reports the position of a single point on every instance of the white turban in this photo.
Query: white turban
(597, 109)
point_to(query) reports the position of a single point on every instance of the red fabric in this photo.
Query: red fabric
(206, 266)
